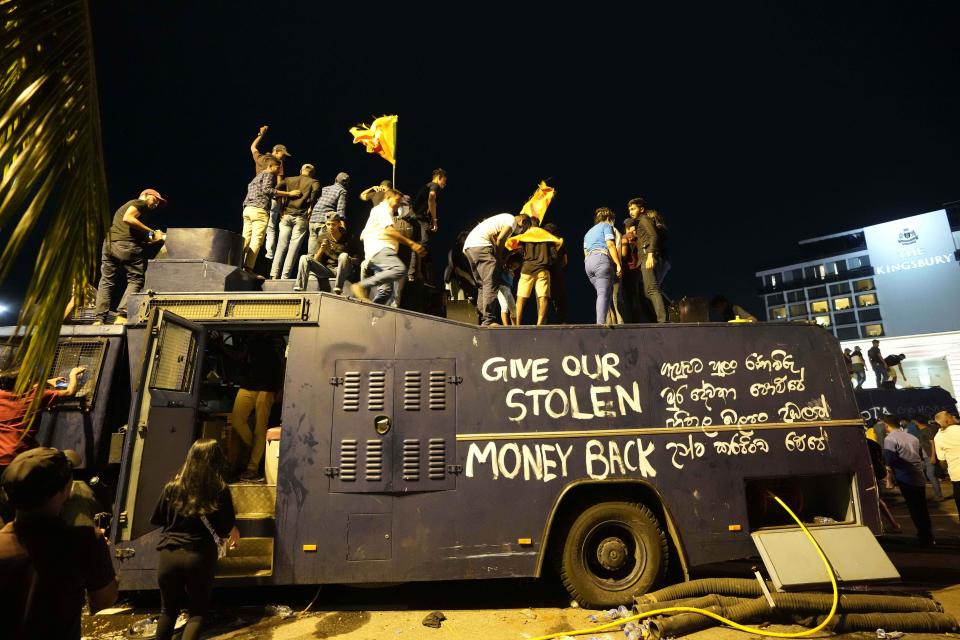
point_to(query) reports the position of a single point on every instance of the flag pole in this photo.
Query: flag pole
(395, 127)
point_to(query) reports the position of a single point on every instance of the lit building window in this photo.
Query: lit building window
(842, 303)
(778, 313)
(823, 321)
(821, 306)
(863, 285)
(823, 271)
(872, 330)
(866, 300)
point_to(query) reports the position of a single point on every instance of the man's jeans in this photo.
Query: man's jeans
(600, 271)
(292, 230)
(272, 227)
(651, 290)
(313, 237)
(129, 256)
(386, 268)
(930, 470)
(308, 266)
(483, 262)
(254, 226)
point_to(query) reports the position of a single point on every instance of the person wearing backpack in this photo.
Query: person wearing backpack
(196, 513)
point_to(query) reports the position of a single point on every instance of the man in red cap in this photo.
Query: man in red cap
(123, 248)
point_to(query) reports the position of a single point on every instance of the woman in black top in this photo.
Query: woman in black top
(188, 552)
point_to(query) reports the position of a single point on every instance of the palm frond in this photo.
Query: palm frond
(52, 164)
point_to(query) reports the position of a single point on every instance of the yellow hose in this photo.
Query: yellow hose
(719, 618)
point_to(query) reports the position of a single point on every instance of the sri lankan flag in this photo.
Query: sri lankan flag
(536, 206)
(380, 137)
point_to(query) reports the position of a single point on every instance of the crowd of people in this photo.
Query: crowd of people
(908, 454)
(626, 264)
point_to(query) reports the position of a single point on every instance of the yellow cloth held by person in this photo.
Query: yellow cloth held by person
(533, 234)
(536, 206)
(380, 137)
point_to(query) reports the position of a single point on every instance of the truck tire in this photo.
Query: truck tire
(613, 552)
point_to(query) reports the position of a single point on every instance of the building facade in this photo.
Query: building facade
(898, 282)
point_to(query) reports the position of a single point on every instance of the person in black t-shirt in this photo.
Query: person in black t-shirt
(46, 566)
(374, 195)
(425, 219)
(124, 248)
(195, 510)
(558, 277)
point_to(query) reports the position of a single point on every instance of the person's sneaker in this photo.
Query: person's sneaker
(296, 288)
(337, 290)
(120, 320)
(359, 292)
(251, 476)
(97, 323)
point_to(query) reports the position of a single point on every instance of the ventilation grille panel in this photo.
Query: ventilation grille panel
(376, 390)
(374, 461)
(351, 391)
(438, 390)
(348, 460)
(412, 386)
(437, 459)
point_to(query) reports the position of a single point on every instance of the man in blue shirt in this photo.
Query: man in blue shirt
(901, 454)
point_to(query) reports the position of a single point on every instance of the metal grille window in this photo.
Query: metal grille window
(174, 367)
(275, 309)
(189, 309)
(80, 353)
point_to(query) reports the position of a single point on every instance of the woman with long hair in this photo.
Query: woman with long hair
(193, 508)
(601, 259)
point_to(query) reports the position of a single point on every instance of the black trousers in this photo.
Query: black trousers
(916, 497)
(119, 255)
(651, 290)
(185, 578)
(956, 494)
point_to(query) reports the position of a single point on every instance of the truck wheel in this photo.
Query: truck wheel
(613, 552)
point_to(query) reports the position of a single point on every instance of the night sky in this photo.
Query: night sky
(748, 125)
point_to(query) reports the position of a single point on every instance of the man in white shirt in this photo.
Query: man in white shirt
(484, 250)
(947, 443)
(380, 244)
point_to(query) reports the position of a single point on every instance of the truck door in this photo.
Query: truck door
(163, 421)
(394, 425)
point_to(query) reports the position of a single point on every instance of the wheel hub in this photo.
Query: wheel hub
(612, 553)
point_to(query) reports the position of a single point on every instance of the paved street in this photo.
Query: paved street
(505, 609)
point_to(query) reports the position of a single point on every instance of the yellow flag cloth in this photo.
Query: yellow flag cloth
(380, 137)
(533, 234)
(536, 206)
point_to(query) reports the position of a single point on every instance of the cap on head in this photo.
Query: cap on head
(876, 342)
(307, 167)
(343, 178)
(336, 215)
(942, 418)
(281, 150)
(35, 476)
(156, 194)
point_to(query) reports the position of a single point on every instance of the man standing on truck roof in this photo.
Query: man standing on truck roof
(380, 244)
(901, 454)
(47, 565)
(876, 361)
(279, 152)
(124, 248)
(484, 248)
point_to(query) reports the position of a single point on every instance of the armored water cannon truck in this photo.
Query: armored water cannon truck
(417, 448)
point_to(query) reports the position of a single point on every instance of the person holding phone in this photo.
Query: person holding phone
(18, 428)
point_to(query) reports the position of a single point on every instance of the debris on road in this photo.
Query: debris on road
(434, 619)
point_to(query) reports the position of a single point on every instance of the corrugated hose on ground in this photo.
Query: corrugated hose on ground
(734, 601)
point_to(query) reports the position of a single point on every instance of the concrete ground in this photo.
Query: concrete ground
(521, 609)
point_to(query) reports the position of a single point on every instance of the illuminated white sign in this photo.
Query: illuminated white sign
(915, 271)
